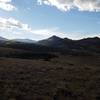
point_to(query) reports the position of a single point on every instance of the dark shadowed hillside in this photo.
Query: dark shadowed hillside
(89, 45)
(24, 40)
(2, 39)
(53, 45)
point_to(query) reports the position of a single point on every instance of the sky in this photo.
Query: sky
(40, 19)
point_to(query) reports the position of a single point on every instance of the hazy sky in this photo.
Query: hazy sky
(38, 19)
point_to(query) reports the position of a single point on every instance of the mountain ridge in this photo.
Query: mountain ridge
(51, 38)
(57, 45)
(3, 39)
(24, 40)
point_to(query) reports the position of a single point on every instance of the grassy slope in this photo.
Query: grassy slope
(63, 78)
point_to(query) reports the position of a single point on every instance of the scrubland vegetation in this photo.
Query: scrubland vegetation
(62, 78)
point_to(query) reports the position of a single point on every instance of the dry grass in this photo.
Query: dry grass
(63, 78)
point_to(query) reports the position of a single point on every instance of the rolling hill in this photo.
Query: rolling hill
(54, 45)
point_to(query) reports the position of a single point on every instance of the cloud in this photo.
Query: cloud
(45, 33)
(66, 5)
(88, 5)
(14, 26)
(6, 5)
(11, 23)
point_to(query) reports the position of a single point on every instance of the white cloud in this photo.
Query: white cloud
(6, 5)
(87, 5)
(49, 32)
(11, 25)
(13, 28)
(66, 5)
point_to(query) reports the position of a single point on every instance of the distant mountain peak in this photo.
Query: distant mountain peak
(96, 38)
(53, 41)
(54, 37)
(24, 40)
(90, 38)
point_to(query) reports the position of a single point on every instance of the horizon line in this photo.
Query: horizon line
(50, 37)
